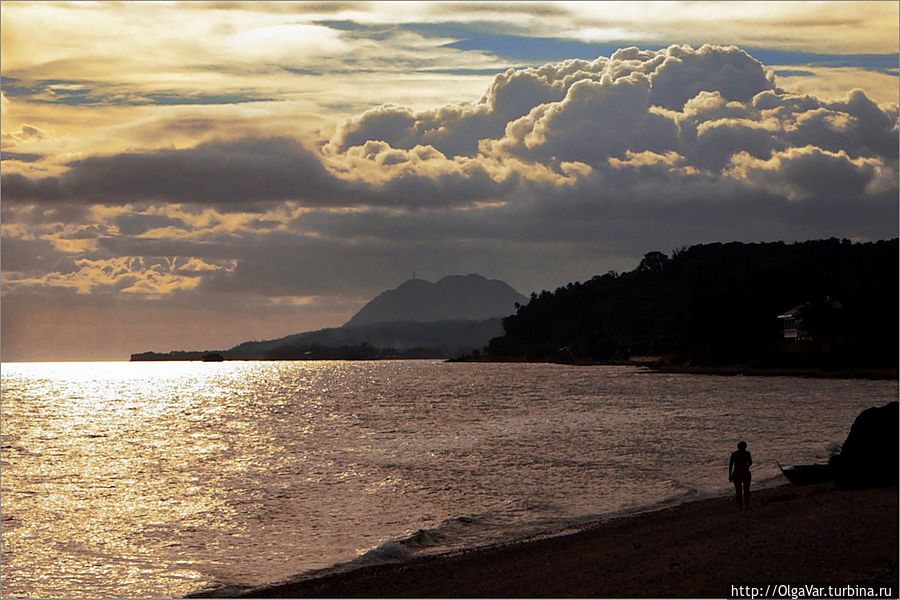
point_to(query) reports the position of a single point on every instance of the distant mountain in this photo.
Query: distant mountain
(456, 315)
(457, 297)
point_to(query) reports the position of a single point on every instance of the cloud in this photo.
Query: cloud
(246, 170)
(575, 107)
(125, 274)
(138, 223)
(685, 72)
(834, 83)
(812, 172)
(585, 125)
(455, 129)
(24, 133)
(566, 125)
(34, 256)
(553, 167)
(262, 171)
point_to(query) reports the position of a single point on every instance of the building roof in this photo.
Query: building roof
(794, 312)
(797, 311)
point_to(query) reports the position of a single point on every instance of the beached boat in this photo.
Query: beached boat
(807, 474)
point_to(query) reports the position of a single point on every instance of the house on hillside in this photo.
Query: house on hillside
(794, 323)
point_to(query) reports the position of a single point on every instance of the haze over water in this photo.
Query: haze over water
(159, 479)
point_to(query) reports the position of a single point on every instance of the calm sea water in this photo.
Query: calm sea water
(159, 479)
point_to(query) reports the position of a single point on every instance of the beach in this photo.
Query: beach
(791, 535)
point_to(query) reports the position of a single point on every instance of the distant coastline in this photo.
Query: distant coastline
(880, 373)
(326, 354)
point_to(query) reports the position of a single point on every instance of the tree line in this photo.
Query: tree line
(719, 304)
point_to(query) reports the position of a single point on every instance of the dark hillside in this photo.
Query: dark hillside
(719, 303)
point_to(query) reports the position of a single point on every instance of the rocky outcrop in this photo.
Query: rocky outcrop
(869, 456)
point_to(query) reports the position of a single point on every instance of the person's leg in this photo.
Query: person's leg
(737, 490)
(746, 486)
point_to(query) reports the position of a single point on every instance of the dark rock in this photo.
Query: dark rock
(869, 456)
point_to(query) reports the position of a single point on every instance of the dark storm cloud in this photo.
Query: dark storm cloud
(160, 247)
(34, 256)
(21, 156)
(246, 173)
(135, 224)
(221, 172)
(30, 215)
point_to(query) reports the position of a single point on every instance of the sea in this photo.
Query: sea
(160, 479)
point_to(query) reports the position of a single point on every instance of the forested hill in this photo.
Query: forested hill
(718, 304)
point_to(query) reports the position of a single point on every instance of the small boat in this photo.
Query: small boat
(807, 474)
(213, 357)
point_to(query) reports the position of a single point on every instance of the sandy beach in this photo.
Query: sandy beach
(791, 535)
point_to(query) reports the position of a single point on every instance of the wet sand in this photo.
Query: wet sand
(795, 535)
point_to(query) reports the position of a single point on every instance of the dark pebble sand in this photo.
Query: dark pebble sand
(795, 535)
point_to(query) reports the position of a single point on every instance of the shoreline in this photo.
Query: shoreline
(878, 373)
(736, 370)
(815, 534)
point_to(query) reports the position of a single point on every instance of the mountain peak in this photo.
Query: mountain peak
(469, 277)
(454, 297)
(413, 283)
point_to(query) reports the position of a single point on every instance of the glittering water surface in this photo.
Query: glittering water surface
(158, 479)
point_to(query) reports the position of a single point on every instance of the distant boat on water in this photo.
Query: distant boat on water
(807, 474)
(213, 357)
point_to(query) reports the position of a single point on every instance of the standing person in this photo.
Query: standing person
(739, 474)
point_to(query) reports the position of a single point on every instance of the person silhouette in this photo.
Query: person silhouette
(739, 474)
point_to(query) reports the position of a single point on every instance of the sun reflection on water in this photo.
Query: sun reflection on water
(157, 479)
(121, 467)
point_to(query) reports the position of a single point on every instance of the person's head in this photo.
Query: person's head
(742, 445)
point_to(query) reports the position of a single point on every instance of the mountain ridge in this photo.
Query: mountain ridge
(454, 297)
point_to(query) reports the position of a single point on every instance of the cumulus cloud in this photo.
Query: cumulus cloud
(602, 86)
(685, 72)
(705, 104)
(586, 125)
(809, 171)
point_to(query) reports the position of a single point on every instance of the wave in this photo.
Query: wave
(469, 532)
(446, 535)
(449, 534)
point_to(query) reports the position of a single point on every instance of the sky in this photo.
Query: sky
(193, 175)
